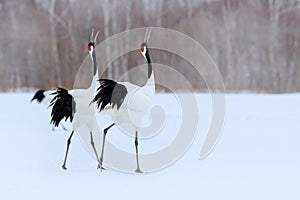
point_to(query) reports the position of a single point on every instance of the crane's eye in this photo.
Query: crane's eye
(142, 48)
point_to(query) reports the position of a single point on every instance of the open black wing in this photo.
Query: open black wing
(110, 92)
(39, 96)
(63, 106)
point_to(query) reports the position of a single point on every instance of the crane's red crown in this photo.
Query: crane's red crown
(89, 47)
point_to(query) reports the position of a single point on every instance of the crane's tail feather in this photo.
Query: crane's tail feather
(63, 106)
(109, 93)
(39, 96)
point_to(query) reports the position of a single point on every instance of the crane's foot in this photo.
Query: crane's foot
(101, 167)
(63, 167)
(138, 171)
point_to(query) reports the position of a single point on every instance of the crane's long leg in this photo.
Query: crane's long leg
(67, 151)
(103, 143)
(64, 128)
(94, 148)
(138, 170)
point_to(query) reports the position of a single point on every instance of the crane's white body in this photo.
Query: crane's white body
(84, 111)
(135, 106)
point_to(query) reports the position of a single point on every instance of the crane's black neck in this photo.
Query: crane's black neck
(95, 63)
(149, 64)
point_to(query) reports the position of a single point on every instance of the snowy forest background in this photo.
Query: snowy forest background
(255, 44)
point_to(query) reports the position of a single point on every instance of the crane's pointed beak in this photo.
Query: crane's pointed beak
(95, 39)
(91, 35)
(147, 35)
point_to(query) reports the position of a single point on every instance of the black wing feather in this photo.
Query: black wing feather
(110, 92)
(39, 96)
(63, 106)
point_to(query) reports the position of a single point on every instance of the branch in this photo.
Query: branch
(288, 9)
(51, 12)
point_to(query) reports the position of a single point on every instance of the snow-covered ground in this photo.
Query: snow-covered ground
(257, 157)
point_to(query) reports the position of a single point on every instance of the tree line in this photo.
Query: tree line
(255, 44)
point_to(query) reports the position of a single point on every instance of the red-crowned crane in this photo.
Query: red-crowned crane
(44, 97)
(127, 102)
(75, 104)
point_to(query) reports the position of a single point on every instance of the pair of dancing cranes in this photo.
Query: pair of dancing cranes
(118, 99)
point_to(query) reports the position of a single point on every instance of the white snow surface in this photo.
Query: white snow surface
(257, 157)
